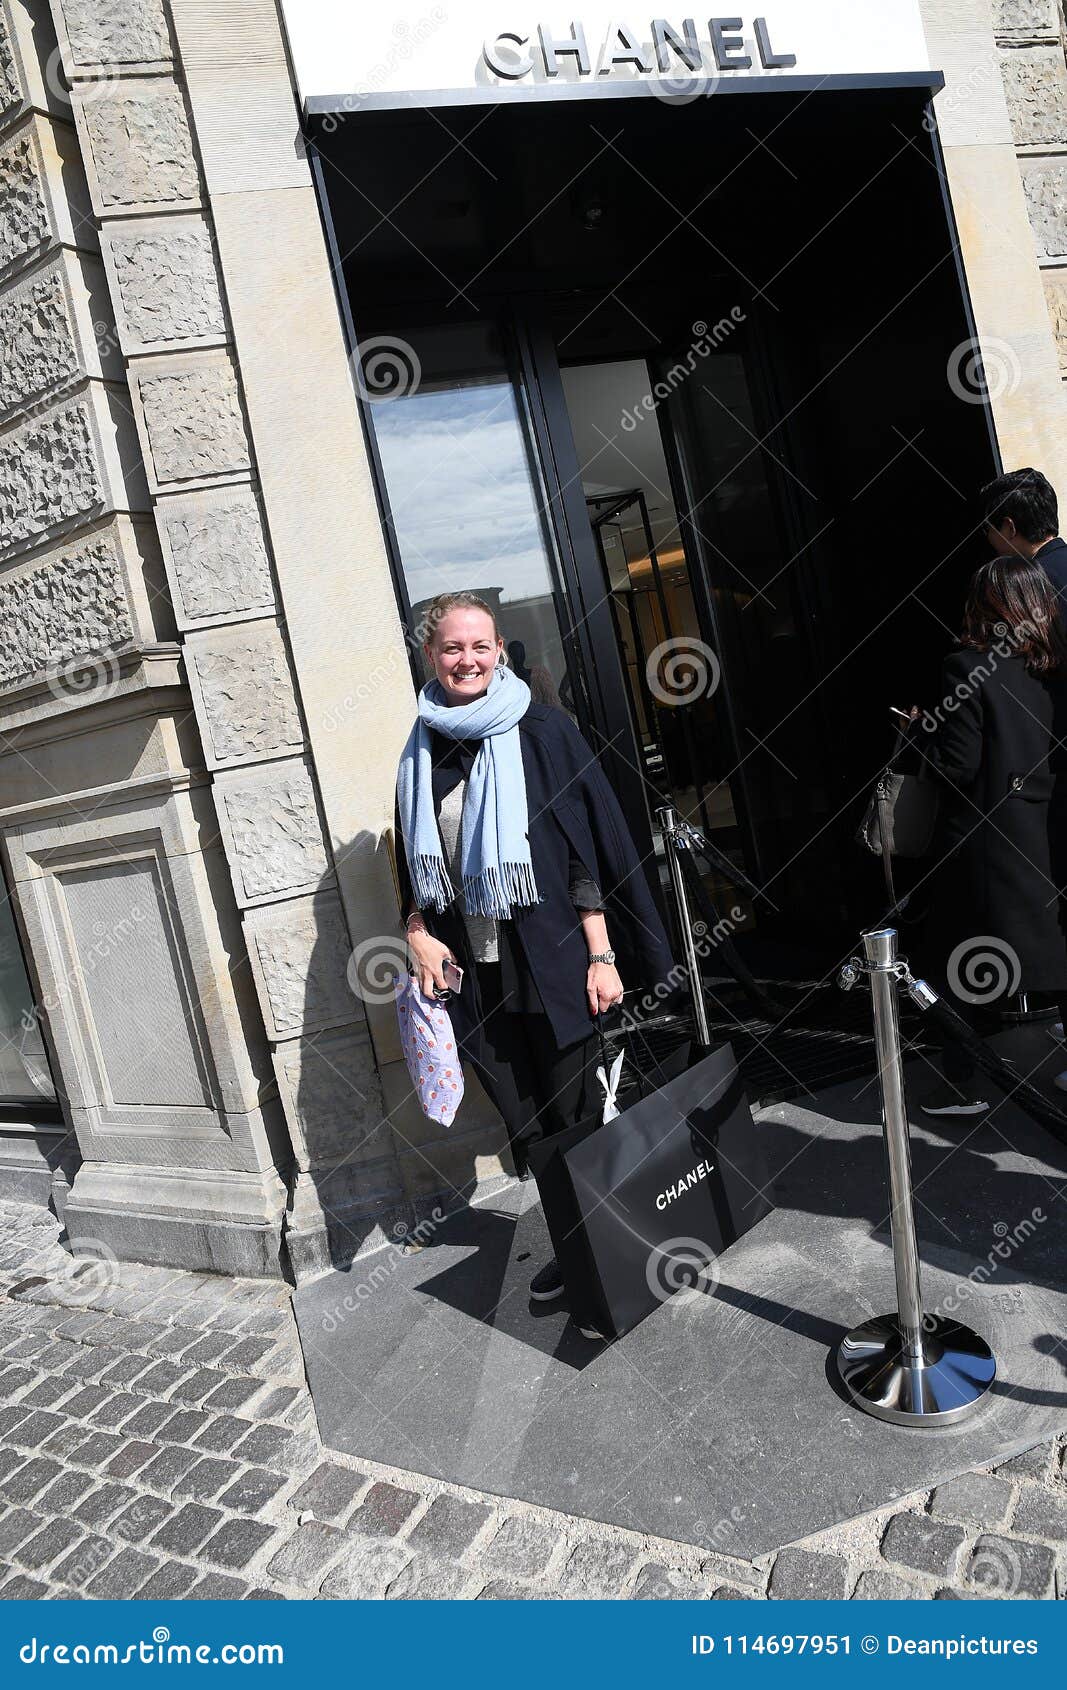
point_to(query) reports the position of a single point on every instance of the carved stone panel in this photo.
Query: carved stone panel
(112, 32)
(39, 351)
(70, 602)
(49, 474)
(24, 224)
(139, 152)
(299, 952)
(1025, 17)
(165, 282)
(191, 421)
(241, 682)
(215, 549)
(1045, 187)
(273, 836)
(1056, 295)
(134, 976)
(1035, 84)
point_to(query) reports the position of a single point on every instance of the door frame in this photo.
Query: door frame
(615, 733)
(584, 611)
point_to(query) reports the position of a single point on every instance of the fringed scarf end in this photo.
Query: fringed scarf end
(495, 892)
(431, 883)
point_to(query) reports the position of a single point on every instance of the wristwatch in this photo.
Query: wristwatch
(602, 956)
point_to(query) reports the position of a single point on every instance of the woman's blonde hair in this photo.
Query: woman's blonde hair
(443, 603)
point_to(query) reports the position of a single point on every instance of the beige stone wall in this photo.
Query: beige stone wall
(1003, 122)
(107, 827)
(338, 609)
(223, 397)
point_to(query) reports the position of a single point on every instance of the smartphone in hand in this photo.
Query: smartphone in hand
(453, 974)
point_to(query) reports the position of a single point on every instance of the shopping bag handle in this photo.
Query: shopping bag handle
(642, 1079)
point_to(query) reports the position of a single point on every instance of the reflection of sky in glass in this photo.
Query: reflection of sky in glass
(460, 491)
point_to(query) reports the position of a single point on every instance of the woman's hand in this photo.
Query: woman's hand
(603, 986)
(429, 956)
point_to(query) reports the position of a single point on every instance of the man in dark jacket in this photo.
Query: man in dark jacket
(1022, 520)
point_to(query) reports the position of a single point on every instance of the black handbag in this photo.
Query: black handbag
(901, 817)
(638, 1206)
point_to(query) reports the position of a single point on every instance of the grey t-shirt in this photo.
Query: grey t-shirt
(483, 931)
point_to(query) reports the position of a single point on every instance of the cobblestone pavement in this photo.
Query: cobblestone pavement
(157, 1439)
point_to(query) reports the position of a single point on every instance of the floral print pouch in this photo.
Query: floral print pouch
(429, 1046)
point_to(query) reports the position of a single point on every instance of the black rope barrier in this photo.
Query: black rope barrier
(725, 948)
(997, 1067)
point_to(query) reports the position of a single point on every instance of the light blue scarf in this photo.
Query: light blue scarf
(495, 860)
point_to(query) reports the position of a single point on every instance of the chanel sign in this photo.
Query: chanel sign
(667, 50)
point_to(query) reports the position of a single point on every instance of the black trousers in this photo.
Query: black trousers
(537, 1088)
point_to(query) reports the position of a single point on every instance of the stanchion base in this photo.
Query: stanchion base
(957, 1370)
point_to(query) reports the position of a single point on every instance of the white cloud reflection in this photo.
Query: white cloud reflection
(461, 491)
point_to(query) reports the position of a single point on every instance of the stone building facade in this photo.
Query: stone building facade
(203, 676)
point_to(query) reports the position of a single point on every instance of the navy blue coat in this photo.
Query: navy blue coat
(573, 812)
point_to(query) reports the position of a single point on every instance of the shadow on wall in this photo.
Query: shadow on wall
(374, 1169)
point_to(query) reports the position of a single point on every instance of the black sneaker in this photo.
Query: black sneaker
(548, 1283)
(946, 1099)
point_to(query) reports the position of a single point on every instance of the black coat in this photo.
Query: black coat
(573, 813)
(1000, 844)
(1052, 557)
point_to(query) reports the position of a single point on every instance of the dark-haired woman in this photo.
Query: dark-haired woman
(996, 921)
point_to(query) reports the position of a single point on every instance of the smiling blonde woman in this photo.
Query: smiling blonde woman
(514, 853)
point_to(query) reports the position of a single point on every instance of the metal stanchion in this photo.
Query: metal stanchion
(668, 821)
(906, 1367)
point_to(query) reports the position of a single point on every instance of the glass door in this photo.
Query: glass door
(466, 508)
(738, 528)
(481, 491)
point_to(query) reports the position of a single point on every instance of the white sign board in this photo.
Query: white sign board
(370, 51)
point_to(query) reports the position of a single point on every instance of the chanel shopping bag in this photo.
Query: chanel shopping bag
(638, 1206)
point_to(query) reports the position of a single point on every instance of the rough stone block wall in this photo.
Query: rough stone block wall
(76, 570)
(129, 527)
(159, 251)
(1032, 50)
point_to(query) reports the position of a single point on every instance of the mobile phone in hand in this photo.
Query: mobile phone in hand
(453, 974)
